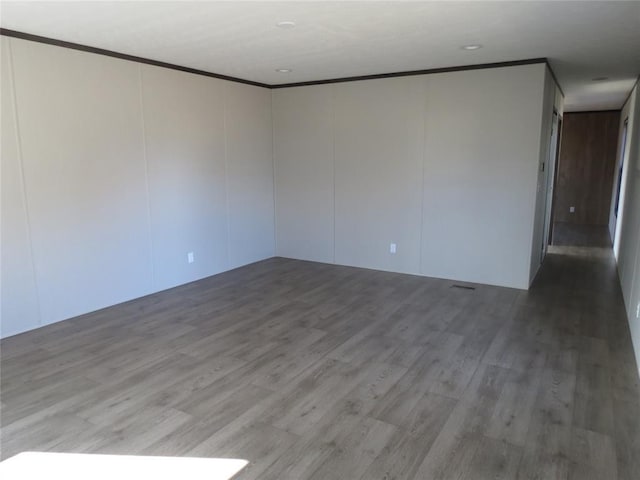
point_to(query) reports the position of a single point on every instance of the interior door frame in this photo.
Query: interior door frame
(550, 181)
(555, 180)
(620, 185)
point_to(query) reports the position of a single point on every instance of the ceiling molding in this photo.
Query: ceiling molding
(123, 56)
(430, 71)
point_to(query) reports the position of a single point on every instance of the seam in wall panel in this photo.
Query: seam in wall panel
(333, 172)
(146, 178)
(14, 106)
(273, 172)
(425, 105)
(226, 175)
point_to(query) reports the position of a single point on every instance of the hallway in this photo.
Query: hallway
(575, 235)
(577, 297)
(315, 371)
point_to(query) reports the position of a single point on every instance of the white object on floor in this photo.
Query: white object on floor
(76, 466)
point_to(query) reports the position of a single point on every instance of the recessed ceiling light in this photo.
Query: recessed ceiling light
(599, 79)
(283, 70)
(286, 24)
(475, 46)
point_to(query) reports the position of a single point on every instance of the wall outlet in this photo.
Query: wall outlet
(572, 209)
(392, 248)
(190, 258)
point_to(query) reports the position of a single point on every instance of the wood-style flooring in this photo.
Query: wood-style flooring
(576, 235)
(314, 371)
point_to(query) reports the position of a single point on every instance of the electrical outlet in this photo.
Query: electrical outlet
(572, 209)
(392, 248)
(190, 258)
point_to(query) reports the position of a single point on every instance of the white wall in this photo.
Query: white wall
(112, 171)
(250, 187)
(435, 164)
(628, 244)
(378, 147)
(184, 138)
(551, 100)
(80, 134)
(303, 147)
(481, 164)
(19, 297)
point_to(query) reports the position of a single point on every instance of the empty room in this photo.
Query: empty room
(309, 240)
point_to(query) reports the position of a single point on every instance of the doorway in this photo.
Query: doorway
(550, 181)
(620, 189)
(585, 189)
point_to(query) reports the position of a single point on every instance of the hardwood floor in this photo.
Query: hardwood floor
(575, 235)
(314, 371)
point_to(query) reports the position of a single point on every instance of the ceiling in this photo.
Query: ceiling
(583, 40)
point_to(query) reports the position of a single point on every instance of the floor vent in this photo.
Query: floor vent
(464, 287)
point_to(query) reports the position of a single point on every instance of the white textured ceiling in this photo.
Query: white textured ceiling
(582, 40)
